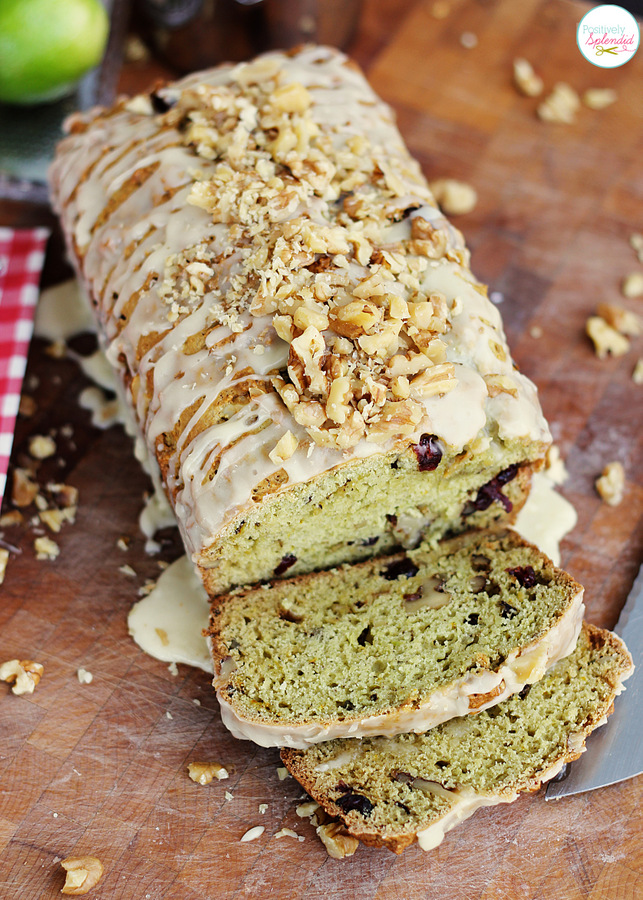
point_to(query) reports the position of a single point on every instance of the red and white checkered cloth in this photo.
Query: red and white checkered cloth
(22, 254)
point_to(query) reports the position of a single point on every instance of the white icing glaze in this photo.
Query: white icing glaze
(62, 312)
(546, 517)
(523, 666)
(158, 216)
(168, 623)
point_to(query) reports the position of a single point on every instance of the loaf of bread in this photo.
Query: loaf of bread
(306, 353)
(393, 791)
(391, 645)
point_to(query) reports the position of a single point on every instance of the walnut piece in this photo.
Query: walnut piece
(24, 489)
(605, 338)
(637, 374)
(633, 285)
(526, 80)
(83, 874)
(624, 321)
(636, 243)
(42, 446)
(46, 548)
(206, 772)
(252, 834)
(83, 676)
(337, 841)
(28, 406)
(611, 484)
(599, 98)
(23, 674)
(454, 197)
(284, 448)
(4, 559)
(561, 105)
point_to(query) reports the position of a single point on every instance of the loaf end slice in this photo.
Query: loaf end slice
(391, 645)
(393, 791)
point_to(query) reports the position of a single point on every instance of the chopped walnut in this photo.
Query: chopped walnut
(305, 810)
(42, 446)
(561, 105)
(611, 483)
(633, 285)
(83, 676)
(83, 874)
(66, 495)
(599, 98)
(24, 489)
(636, 243)
(501, 384)
(338, 842)
(282, 773)
(205, 772)
(46, 548)
(127, 570)
(555, 468)
(288, 832)
(284, 448)
(23, 674)
(624, 321)
(455, 197)
(13, 517)
(526, 80)
(4, 559)
(605, 338)
(637, 374)
(55, 518)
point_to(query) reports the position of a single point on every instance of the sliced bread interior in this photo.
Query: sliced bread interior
(391, 645)
(393, 791)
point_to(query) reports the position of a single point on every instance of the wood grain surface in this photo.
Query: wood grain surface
(101, 768)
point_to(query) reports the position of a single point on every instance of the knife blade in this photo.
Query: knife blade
(614, 753)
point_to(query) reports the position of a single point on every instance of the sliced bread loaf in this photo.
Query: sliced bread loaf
(391, 645)
(393, 791)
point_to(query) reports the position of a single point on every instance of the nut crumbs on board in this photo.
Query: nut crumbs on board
(83, 874)
(206, 772)
(611, 483)
(23, 674)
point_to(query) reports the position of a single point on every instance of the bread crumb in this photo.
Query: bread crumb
(252, 834)
(560, 106)
(599, 98)
(611, 484)
(633, 285)
(84, 677)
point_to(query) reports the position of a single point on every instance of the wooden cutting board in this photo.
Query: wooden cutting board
(101, 769)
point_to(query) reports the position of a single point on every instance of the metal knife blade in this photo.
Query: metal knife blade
(614, 753)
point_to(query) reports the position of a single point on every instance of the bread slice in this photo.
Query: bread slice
(391, 645)
(393, 791)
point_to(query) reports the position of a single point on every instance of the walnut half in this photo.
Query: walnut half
(337, 841)
(83, 874)
(24, 674)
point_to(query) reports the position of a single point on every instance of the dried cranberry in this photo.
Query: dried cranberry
(160, 104)
(402, 568)
(286, 562)
(428, 452)
(524, 575)
(417, 595)
(507, 611)
(491, 491)
(368, 542)
(524, 691)
(472, 619)
(355, 802)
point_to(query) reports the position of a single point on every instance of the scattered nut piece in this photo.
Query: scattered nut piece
(24, 672)
(84, 677)
(605, 338)
(123, 543)
(205, 772)
(469, 40)
(288, 832)
(282, 773)
(611, 484)
(4, 559)
(13, 517)
(263, 808)
(228, 795)
(54, 518)
(633, 285)
(83, 874)
(66, 494)
(526, 80)
(555, 468)
(338, 842)
(636, 243)
(284, 448)
(42, 446)
(454, 197)
(624, 321)
(46, 548)
(127, 570)
(561, 105)
(24, 490)
(536, 331)
(599, 98)
(252, 834)
(304, 810)
(27, 407)
(637, 374)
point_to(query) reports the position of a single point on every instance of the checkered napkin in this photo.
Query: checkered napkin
(22, 254)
